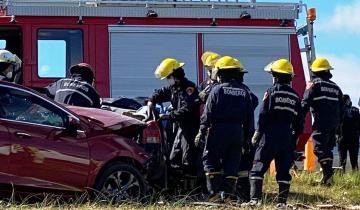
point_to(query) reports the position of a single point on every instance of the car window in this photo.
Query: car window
(22, 106)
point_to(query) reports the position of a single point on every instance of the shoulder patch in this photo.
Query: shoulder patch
(309, 85)
(190, 90)
(266, 95)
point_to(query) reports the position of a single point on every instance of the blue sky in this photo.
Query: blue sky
(52, 58)
(337, 31)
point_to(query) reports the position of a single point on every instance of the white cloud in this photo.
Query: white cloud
(345, 18)
(346, 74)
(44, 70)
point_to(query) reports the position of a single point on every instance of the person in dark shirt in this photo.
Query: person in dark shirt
(348, 139)
(323, 98)
(224, 123)
(76, 90)
(184, 99)
(279, 125)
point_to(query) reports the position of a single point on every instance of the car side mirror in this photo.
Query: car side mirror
(73, 124)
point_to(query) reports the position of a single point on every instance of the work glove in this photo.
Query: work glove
(200, 140)
(338, 138)
(256, 138)
(202, 96)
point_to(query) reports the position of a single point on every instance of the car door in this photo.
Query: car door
(4, 149)
(42, 154)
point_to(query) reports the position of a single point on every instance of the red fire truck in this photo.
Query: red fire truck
(125, 40)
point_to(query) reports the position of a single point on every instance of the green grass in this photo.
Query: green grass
(344, 192)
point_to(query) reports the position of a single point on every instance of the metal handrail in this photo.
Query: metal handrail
(148, 3)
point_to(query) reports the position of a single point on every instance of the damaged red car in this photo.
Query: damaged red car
(47, 146)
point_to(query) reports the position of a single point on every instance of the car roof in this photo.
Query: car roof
(18, 86)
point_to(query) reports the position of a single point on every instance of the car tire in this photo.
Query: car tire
(120, 182)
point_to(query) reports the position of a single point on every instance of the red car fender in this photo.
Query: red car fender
(111, 147)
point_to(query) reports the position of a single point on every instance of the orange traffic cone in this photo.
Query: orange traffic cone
(310, 159)
(272, 168)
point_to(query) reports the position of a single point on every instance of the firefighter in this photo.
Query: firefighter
(8, 65)
(78, 89)
(208, 59)
(248, 151)
(183, 96)
(348, 139)
(279, 125)
(324, 98)
(224, 122)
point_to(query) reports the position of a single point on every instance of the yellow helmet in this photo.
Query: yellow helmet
(282, 66)
(205, 55)
(210, 59)
(228, 62)
(167, 67)
(320, 64)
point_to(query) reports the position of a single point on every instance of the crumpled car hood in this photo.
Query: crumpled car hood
(107, 119)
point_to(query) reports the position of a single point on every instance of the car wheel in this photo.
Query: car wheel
(120, 182)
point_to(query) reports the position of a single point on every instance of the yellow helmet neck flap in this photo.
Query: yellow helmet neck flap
(281, 66)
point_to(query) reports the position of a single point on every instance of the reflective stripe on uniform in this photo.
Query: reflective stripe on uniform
(231, 177)
(322, 81)
(286, 108)
(72, 80)
(76, 91)
(326, 97)
(243, 174)
(325, 159)
(212, 173)
(256, 177)
(285, 92)
(284, 182)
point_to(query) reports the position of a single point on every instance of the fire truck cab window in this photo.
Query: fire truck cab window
(2, 44)
(58, 49)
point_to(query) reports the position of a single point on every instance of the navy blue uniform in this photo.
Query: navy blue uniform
(280, 123)
(247, 156)
(349, 139)
(227, 114)
(75, 92)
(186, 114)
(253, 97)
(324, 99)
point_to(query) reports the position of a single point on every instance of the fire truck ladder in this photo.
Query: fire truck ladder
(307, 31)
(163, 8)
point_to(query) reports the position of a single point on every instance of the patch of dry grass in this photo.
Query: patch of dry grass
(345, 192)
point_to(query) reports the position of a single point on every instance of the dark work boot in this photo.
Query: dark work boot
(213, 182)
(255, 193)
(243, 190)
(256, 189)
(229, 186)
(283, 192)
(327, 170)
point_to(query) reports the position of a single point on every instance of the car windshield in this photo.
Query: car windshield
(22, 106)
